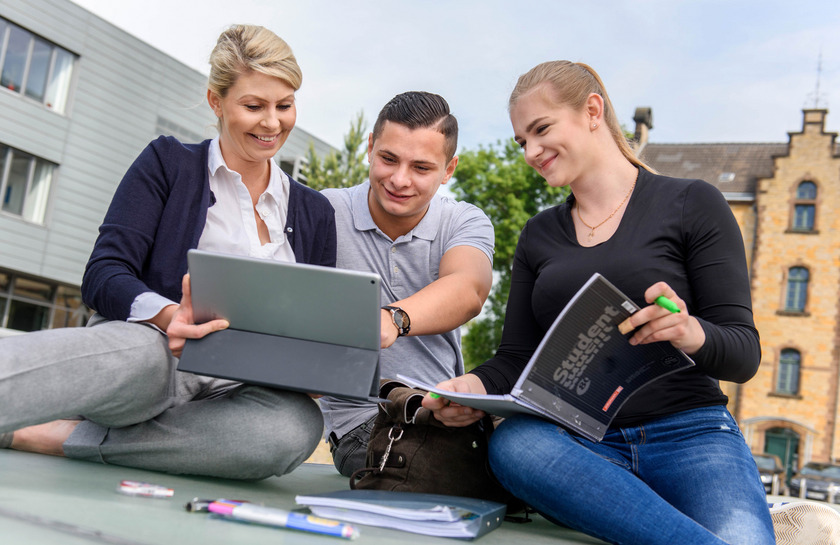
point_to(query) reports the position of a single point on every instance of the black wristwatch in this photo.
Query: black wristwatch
(401, 320)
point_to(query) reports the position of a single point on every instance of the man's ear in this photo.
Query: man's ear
(450, 169)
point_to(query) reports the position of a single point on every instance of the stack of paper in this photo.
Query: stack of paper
(430, 514)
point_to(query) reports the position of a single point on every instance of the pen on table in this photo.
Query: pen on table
(625, 327)
(137, 488)
(199, 505)
(280, 518)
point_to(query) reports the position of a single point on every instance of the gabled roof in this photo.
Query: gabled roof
(732, 168)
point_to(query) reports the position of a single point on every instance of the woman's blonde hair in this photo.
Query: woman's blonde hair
(571, 84)
(241, 48)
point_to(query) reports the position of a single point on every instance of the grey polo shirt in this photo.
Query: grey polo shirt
(406, 265)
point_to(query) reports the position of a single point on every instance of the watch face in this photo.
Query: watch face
(401, 318)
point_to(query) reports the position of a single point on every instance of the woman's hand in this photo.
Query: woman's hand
(452, 414)
(658, 324)
(163, 318)
(183, 326)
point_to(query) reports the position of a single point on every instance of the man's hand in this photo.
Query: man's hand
(464, 281)
(388, 330)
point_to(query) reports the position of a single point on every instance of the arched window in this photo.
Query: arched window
(797, 289)
(789, 365)
(805, 206)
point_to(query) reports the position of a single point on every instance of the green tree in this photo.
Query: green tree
(497, 180)
(342, 168)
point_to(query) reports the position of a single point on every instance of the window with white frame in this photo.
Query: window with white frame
(34, 67)
(294, 167)
(24, 184)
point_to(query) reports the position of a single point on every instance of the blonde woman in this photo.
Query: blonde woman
(119, 373)
(673, 467)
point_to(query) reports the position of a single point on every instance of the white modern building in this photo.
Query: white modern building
(79, 100)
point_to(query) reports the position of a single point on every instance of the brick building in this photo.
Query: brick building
(784, 196)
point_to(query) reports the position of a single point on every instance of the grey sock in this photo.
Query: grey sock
(6, 439)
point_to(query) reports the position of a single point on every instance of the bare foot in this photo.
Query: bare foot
(45, 438)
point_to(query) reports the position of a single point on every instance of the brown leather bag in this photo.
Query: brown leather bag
(422, 455)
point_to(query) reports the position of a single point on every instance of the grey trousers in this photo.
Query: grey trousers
(139, 411)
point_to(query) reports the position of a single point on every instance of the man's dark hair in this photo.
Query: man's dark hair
(420, 110)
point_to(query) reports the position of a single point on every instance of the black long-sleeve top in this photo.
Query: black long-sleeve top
(678, 231)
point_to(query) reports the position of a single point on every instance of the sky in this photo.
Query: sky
(711, 70)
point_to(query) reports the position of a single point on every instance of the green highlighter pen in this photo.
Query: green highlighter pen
(433, 395)
(625, 327)
(667, 304)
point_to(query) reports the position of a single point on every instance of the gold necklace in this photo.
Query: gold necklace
(592, 229)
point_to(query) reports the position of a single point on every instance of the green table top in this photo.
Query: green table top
(50, 500)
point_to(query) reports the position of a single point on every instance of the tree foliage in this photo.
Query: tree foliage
(342, 168)
(497, 180)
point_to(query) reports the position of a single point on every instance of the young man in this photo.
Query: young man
(434, 255)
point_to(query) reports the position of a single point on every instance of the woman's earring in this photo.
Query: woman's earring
(594, 125)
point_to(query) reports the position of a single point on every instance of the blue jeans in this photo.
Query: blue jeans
(350, 454)
(687, 478)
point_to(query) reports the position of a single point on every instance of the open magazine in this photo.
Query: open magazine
(584, 369)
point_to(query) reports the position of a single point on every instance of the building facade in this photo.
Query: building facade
(79, 100)
(784, 196)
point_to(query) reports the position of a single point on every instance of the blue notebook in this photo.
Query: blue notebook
(429, 514)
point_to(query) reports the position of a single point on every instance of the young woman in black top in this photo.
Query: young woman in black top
(673, 467)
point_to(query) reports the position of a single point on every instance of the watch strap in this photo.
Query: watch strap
(402, 330)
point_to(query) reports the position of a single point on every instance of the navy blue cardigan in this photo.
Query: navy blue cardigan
(158, 213)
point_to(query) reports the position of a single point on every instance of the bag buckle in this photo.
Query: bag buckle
(390, 443)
